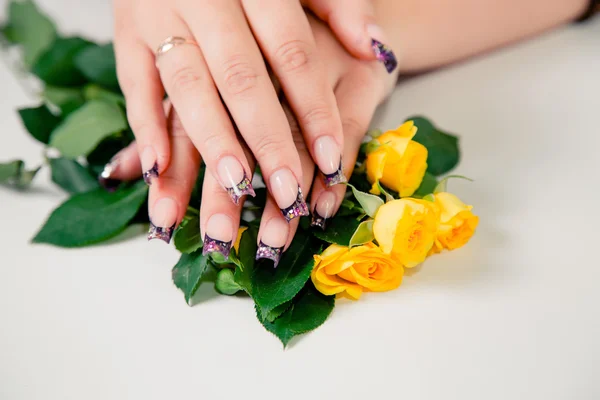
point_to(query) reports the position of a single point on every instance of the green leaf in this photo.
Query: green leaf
(388, 196)
(272, 287)
(427, 185)
(8, 34)
(14, 173)
(187, 237)
(339, 230)
(10, 171)
(72, 176)
(226, 283)
(81, 132)
(443, 185)
(443, 148)
(92, 217)
(97, 63)
(277, 311)
(245, 261)
(66, 99)
(369, 202)
(57, 65)
(308, 311)
(187, 273)
(39, 122)
(363, 234)
(95, 92)
(30, 28)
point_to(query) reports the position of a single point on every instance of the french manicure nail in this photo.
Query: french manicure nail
(273, 240)
(149, 165)
(105, 179)
(218, 236)
(234, 178)
(328, 157)
(383, 53)
(163, 218)
(323, 210)
(288, 194)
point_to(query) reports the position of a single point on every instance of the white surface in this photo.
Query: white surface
(514, 315)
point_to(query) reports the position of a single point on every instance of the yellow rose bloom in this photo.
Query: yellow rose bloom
(457, 222)
(348, 272)
(399, 163)
(406, 230)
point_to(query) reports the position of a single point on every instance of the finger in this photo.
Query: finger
(289, 46)
(124, 166)
(240, 74)
(169, 196)
(275, 235)
(219, 218)
(358, 96)
(143, 91)
(188, 82)
(355, 27)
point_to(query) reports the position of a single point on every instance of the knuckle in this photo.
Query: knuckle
(213, 142)
(318, 115)
(353, 128)
(239, 76)
(184, 78)
(138, 123)
(269, 147)
(293, 55)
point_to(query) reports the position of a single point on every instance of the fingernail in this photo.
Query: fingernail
(383, 53)
(163, 218)
(273, 240)
(218, 235)
(288, 194)
(323, 210)
(234, 178)
(149, 165)
(105, 179)
(329, 159)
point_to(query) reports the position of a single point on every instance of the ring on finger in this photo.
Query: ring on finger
(172, 42)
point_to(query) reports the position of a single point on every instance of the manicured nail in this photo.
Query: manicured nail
(163, 218)
(323, 210)
(383, 53)
(105, 179)
(288, 194)
(328, 157)
(149, 165)
(273, 240)
(218, 236)
(234, 178)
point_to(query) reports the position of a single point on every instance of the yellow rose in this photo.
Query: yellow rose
(399, 163)
(457, 222)
(350, 271)
(406, 229)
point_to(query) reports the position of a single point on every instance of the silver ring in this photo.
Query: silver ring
(171, 42)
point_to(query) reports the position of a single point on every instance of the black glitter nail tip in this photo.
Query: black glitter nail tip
(157, 232)
(336, 177)
(151, 174)
(211, 245)
(318, 221)
(298, 209)
(385, 55)
(270, 253)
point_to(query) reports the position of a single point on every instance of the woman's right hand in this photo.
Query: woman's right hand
(359, 87)
(210, 62)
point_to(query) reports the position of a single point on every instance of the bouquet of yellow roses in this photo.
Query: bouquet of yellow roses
(395, 214)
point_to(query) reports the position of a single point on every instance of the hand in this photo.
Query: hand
(218, 60)
(360, 87)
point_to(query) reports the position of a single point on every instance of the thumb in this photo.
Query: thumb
(353, 23)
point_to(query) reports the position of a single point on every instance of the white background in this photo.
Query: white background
(513, 315)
